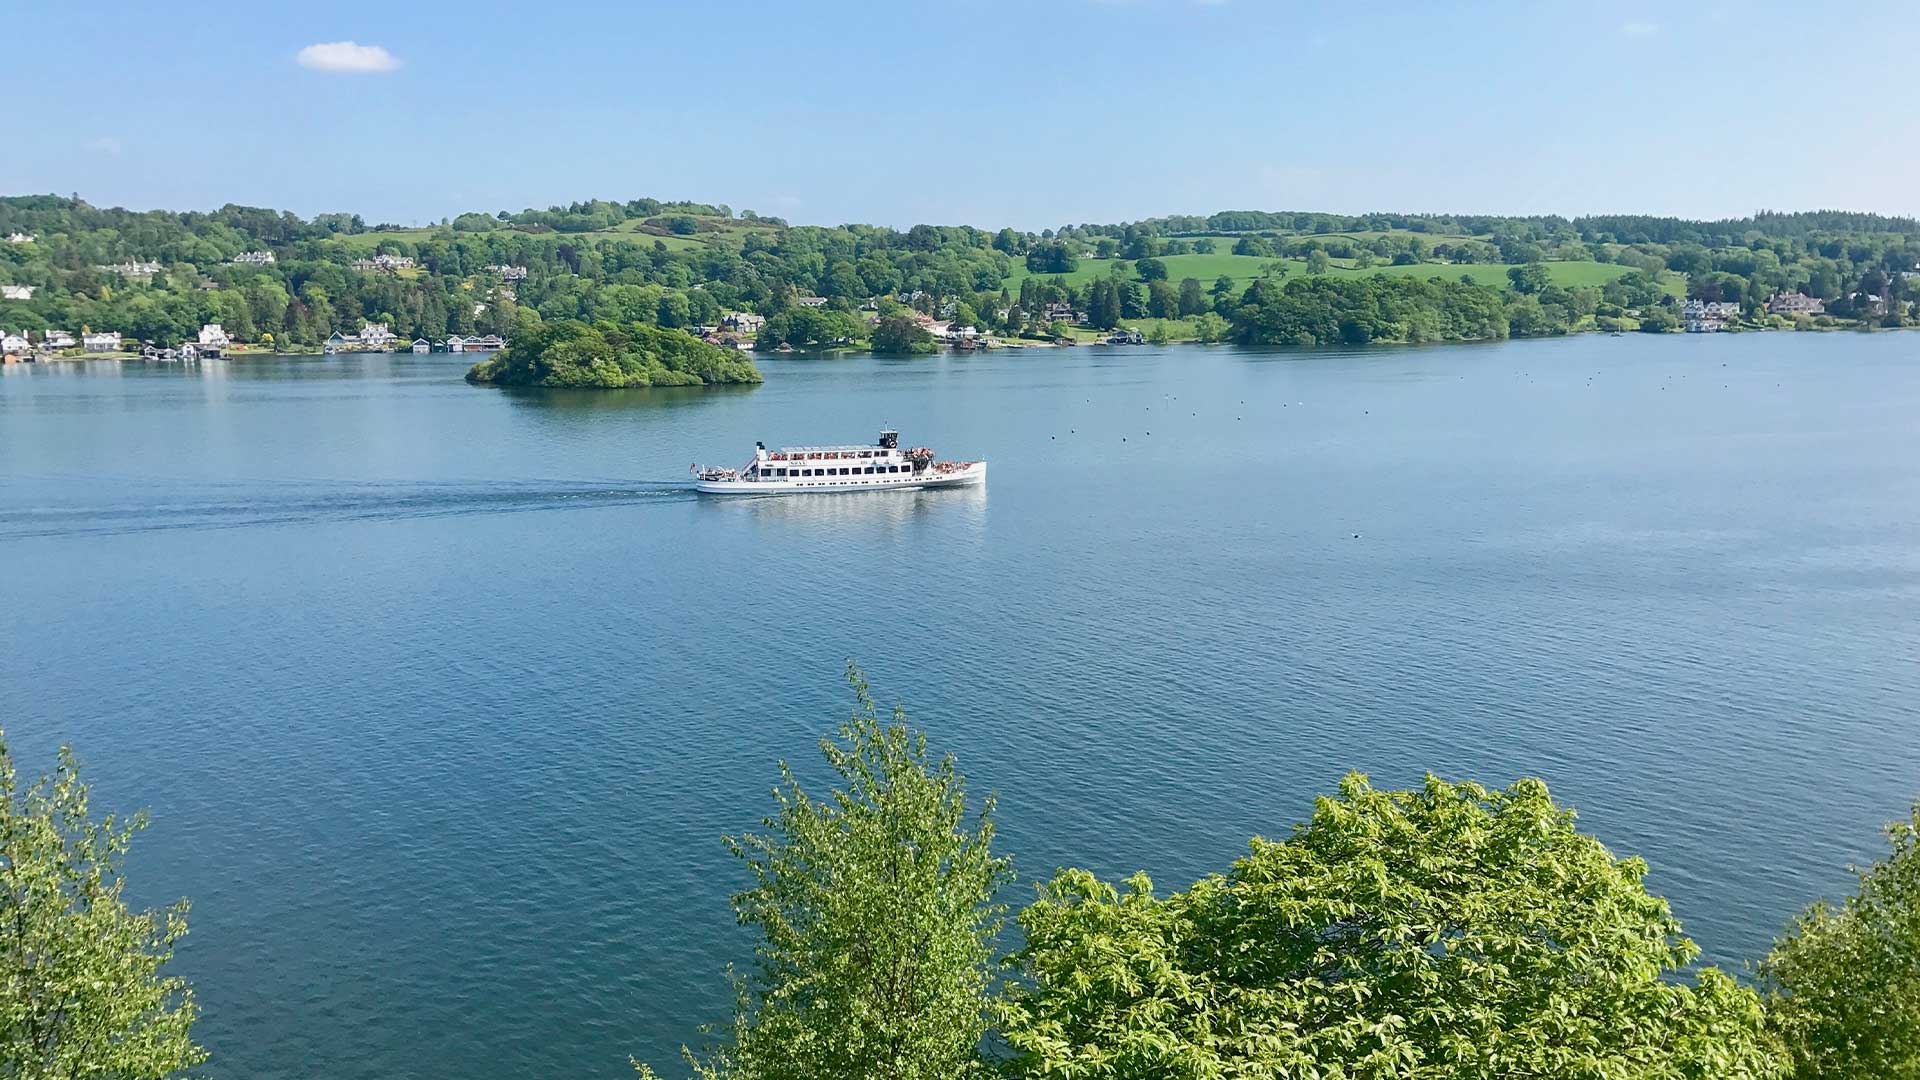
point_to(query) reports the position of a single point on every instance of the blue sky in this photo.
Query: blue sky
(984, 112)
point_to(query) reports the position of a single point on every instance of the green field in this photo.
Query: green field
(1244, 268)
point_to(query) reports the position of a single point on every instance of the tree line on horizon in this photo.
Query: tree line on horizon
(576, 269)
(1449, 931)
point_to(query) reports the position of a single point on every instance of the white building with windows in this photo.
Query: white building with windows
(1796, 304)
(256, 258)
(19, 238)
(107, 341)
(16, 292)
(212, 335)
(57, 339)
(386, 263)
(15, 344)
(376, 336)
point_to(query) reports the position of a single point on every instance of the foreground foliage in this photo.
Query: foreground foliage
(81, 988)
(1448, 932)
(1844, 985)
(571, 353)
(876, 912)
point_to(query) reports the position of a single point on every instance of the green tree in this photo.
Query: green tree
(82, 992)
(1844, 985)
(1193, 299)
(1451, 932)
(902, 336)
(1317, 261)
(1530, 278)
(1052, 257)
(1151, 269)
(876, 912)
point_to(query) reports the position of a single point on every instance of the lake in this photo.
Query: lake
(442, 697)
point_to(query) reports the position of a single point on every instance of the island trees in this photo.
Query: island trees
(1452, 931)
(569, 353)
(1844, 985)
(876, 913)
(900, 335)
(82, 993)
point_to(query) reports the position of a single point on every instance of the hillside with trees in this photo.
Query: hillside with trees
(274, 278)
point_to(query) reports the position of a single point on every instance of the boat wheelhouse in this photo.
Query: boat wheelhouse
(881, 466)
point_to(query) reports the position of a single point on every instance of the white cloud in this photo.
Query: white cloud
(346, 56)
(105, 144)
(1640, 29)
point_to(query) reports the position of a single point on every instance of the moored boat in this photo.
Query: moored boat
(883, 466)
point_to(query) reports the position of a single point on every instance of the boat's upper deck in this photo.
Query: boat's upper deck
(828, 449)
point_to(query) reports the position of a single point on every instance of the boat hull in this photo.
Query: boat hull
(971, 476)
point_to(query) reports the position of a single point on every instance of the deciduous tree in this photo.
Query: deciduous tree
(1844, 985)
(83, 993)
(876, 913)
(1450, 932)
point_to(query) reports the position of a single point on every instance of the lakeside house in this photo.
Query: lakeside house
(376, 336)
(1708, 316)
(57, 339)
(1060, 313)
(16, 292)
(13, 344)
(335, 342)
(213, 337)
(489, 343)
(1873, 305)
(19, 238)
(106, 341)
(1795, 304)
(422, 345)
(384, 263)
(256, 258)
(745, 322)
(506, 273)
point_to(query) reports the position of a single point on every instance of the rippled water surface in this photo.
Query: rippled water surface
(441, 697)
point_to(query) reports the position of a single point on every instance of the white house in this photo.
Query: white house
(456, 343)
(57, 339)
(1795, 304)
(211, 334)
(19, 238)
(421, 345)
(376, 336)
(388, 263)
(14, 344)
(108, 341)
(506, 273)
(132, 268)
(16, 292)
(258, 258)
(812, 301)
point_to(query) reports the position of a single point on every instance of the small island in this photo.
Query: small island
(570, 353)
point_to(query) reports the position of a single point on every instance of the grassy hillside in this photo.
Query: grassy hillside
(1244, 268)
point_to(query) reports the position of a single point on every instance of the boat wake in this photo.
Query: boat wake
(253, 503)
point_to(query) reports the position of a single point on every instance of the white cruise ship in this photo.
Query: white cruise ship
(880, 467)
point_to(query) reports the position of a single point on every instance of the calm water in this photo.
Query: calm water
(442, 696)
